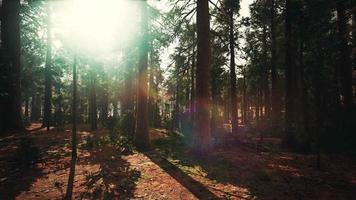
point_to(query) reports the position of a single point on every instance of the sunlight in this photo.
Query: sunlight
(97, 26)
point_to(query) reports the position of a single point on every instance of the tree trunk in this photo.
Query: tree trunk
(48, 79)
(291, 81)
(104, 105)
(192, 89)
(141, 139)
(93, 115)
(27, 116)
(354, 46)
(234, 120)
(69, 191)
(35, 107)
(59, 106)
(128, 95)
(10, 104)
(266, 91)
(345, 68)
(202, 132)
(244, 107)
(275, 96)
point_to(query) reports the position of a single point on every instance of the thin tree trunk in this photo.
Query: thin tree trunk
(354, 46)
(345, 68)
(202, 132)
(27, 116)
(141, 139)
(10, 104)
(104, 105)
(275, 96)
(48, 79)
(93, 107)
(69, 191)
(192, 89)
(59, 109)
(244, 107)
(267, 100)
(234, 120)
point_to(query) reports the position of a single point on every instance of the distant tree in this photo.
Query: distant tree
(345, 67)
(232, 6)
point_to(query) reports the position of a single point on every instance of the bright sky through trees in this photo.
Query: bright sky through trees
(97, 27)
(104, 27)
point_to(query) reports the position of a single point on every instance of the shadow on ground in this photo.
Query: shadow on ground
(113, 179)
(264, 175)
(18, 165)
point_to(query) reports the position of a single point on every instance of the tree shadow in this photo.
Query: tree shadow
(18, 169)
(266, 175)
(196, 188)
(113, 180)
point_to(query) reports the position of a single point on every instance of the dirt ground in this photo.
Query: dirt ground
(35, 165)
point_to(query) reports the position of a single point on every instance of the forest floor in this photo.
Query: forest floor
(35, 165)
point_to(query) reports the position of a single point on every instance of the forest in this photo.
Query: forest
(178, 99)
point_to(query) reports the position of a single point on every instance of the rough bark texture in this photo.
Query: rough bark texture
(202, 132)
(141, 138)
(10, 93)
(345, 68)
(234, 119)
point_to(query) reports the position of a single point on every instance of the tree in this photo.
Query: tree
(202, 131)
(48, 76)
(232, 7)
(274, 78)
(141, 138)
(345, 68)
(73, 161)
(10, 94)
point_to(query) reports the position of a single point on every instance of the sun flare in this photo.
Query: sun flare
(97, 26)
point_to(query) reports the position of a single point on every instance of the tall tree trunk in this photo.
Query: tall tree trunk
(35, 107)
(354, 46)
(59, 106)
(10, 104)
(345, 68)
(93, 115)
(48, 79)
(266, 91)
(234, 119)
(192, 89)
(151, 91)
(202, 132)
(244, 107)
(141, 139)
(127, 98)
(274, 78)
(104, 105)
(69, 191)
(291, 82)
(27, 116)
